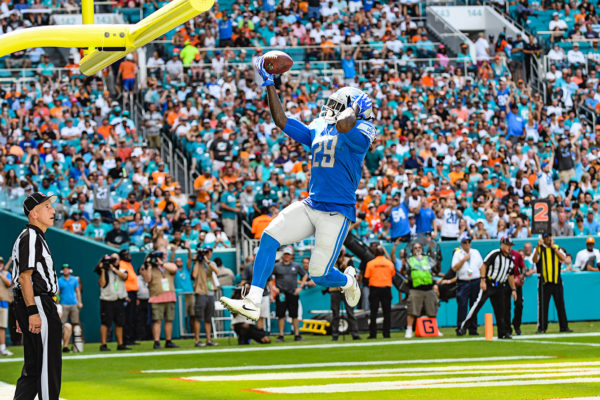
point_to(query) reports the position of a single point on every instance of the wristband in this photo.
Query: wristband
(32, 310)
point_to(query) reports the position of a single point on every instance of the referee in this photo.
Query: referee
(548, 258)
(496, 271)
(35, 286)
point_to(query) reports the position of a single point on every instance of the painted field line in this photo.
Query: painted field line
(354, 374)
(344, 364)
(298, 347)
(7, 391)
(563, 343)
(396, 385)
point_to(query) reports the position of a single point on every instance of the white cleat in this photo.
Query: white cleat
(352, 293)
(245, 307)
(6, 352)
(408, 334)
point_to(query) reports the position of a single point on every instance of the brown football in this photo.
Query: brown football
(277, 62)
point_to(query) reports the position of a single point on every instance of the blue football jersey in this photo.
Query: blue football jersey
(337, 166)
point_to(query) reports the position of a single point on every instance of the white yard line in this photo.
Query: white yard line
(298, 347)
(350, 374)
(345, 364)
(562, 343)
(429, 384)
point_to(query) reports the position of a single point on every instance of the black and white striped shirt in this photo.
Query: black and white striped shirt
(31, 252)
(499, 266)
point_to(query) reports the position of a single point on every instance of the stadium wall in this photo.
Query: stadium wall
(82, 255)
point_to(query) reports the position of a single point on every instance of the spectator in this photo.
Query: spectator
(112, 300)
(562, 227)
(5, 299)
(131, 286)
(205, 286)
(70, 300)
(379, 273)
(117, 237)
(127, 72)
(588, 259)
(466, 262)
(225, 275)
(143, 327)
(575, 57)
(161, 284)
(287, 291)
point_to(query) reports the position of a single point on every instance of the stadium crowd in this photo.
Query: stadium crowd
(464, 145)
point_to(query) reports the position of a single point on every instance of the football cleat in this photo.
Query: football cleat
(352, 293)
(245, 307)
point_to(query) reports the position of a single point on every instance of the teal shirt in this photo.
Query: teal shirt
(95, 232)
(228, 199)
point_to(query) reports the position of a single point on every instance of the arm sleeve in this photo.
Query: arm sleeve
(361, 136)
(27, 252)
(298, 131)
(489, 260)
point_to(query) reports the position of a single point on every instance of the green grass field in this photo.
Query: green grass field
(530, 367)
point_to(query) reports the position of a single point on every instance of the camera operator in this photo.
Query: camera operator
(160, 276)
(112, 299)
(204, 291)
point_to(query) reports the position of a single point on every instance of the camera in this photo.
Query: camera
(154, 257)
(105, 263)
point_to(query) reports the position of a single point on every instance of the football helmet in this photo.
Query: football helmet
(338, 101)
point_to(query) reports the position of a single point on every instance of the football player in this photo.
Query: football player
(339, 140)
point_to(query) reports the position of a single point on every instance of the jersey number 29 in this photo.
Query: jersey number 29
(328, 149)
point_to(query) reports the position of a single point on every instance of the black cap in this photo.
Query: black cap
(506, 240)
(35, 199)
(545, 235)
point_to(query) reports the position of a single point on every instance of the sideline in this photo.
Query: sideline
(298, 347)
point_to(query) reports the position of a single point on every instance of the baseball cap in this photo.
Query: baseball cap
(288, 250)
(66, 266)
(506, 240)
(1, 259)
(545, 235)
(97, 215)
(465, 238)
(590, 240)
(35, 199)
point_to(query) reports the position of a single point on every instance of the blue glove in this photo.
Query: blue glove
(362, 103)
(267, 77)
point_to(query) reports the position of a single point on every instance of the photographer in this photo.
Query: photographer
(204, 292)
(112, 299)
(160, 276)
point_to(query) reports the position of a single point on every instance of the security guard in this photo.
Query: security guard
(36, 285)
(548, 257)
(380, 271)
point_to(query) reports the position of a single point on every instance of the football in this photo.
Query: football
(277, 62)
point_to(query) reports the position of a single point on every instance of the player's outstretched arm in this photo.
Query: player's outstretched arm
(276, 108)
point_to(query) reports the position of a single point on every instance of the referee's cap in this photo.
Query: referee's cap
(35, 199)
(506, 240)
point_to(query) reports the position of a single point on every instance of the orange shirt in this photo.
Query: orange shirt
(104, 131)
(259, 224)
(454, 176)
(159, 177)
(206, 184)
(127, 69)
(380, 272)
(75, 226)
(131, 284)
